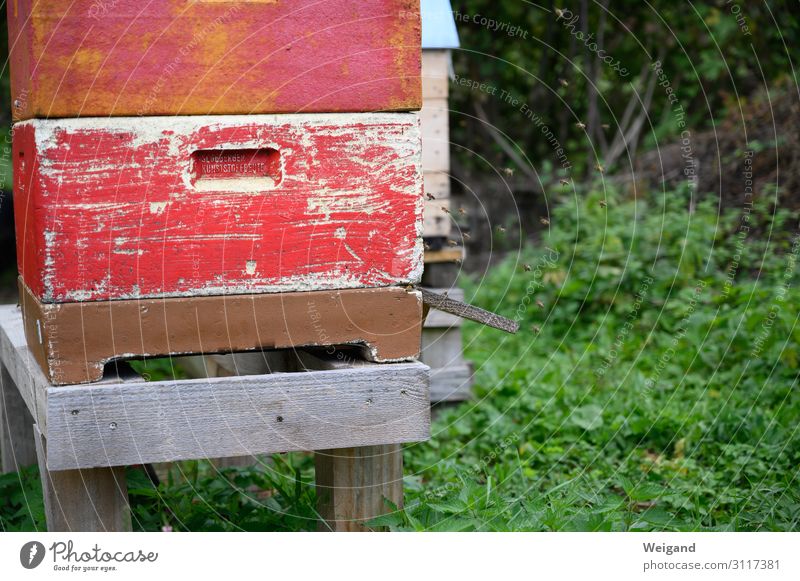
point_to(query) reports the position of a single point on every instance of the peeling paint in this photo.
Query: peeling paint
(353, 177)
(157, 207)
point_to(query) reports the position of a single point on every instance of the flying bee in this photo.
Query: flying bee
(452, 243)
(544, 221)
(462, 211)
(580, 125)
(599, 168)
(536, 329)
(563, 82)
(501, 229)
(564, 181)
(466, 236)
(509, 171)
(430, 196)
(540, 304)
(526, 267)
(603, 203)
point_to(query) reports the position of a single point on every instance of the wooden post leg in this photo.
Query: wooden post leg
(90, 500)
(17, 445)
(353, 482)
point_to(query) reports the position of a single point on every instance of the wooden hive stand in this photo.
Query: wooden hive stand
(353, 414)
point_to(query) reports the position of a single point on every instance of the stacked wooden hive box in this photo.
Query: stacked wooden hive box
(451, 374)
(216, 177)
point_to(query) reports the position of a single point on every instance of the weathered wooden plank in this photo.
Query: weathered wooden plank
(441, 347)
(435, 136)
(24, 370)
(470, 312)
(73, 341)
(93, 500)
(226, 365)
(72, 58)
(21, 365)
(135, 423)
(353, 483)
(435, 74)
(452, 383)
(129, 208)
(436, 318)
(17, 445)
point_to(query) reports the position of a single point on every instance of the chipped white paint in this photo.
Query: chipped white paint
(337, 203)
(157, 207)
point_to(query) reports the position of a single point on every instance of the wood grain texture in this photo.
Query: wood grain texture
(136, 423)
(226, 365)
(93, 500)
(74, 341)
(441, 347)
(436, 136)
(128, 208)
(72, 58)
(448, 305)
(21, 364)
(127, 421)
(435, 74)
(436, 319)
(353, 483)
(451, 383)
(17, 444)
(26, 373)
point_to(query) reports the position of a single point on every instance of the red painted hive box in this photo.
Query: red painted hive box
(83, 58)
(132, 208)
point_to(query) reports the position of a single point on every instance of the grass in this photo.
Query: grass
(653, 387)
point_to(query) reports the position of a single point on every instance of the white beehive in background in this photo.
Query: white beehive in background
(451, 375)
(438, 38)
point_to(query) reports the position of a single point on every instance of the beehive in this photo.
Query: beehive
(129, 208)
(99, 58)
(451, 374)
(175, 158)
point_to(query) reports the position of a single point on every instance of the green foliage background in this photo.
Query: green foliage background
(708, 61)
